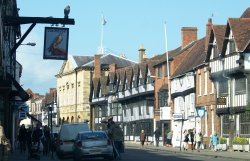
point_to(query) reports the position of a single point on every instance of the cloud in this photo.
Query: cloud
(38, 74)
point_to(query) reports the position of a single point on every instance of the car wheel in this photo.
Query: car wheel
(112, 157)
(76, 159)
(60, 156)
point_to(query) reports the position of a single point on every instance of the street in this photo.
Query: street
(135, 154)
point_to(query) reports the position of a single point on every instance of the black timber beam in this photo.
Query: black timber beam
(14, 21)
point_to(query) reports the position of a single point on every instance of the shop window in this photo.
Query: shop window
(245, 123)
(225, 125)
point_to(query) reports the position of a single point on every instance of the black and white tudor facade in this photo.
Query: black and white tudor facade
(229, 71)
(126, 94)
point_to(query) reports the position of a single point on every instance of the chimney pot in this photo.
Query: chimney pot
(142, 53)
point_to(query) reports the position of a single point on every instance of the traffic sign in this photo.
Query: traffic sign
(201, 112)
(22, 115)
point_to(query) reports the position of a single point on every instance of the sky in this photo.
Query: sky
(130, 23)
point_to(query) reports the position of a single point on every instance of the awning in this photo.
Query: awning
(31, 116)
(19, 90)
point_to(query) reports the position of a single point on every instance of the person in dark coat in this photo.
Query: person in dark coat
(157, 134)
(22, 137)
(46, 140)
(115, 133)
(192, 139)
(142, 138)
(37, 135)
(29, 140)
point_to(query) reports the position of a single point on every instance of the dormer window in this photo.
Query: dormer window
(160, 71)
(166, 70)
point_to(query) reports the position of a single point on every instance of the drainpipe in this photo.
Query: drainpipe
(76, 119)
(91, 106)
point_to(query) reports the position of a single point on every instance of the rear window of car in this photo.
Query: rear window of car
(69, 131)
(93, 135)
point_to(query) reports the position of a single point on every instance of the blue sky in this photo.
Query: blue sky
(129, 24)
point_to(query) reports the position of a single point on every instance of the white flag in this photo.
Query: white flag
(103, 21)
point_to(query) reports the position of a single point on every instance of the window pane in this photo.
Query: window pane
(225, 125)
(240, 86)
(223, 88)
(160, 71)
(244, 123)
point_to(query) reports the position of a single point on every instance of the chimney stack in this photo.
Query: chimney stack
(97, 66)
(188, 35)
(52, 90)
(142, 53)
(208, 31)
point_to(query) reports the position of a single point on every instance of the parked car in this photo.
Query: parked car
(66, 138)
(92, 144)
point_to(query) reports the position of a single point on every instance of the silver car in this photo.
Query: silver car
(67, 135)
(92, 144)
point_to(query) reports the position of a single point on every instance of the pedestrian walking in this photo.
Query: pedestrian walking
(2, 135)
(186, 140)
(215, 141)
(191, 136)
(5, 145)
(22, 138)
(116, 135)
(142, 138)
(198, 140)
(46, 140)
(29, 140)
(157, 134)
(37, 135)
(169, 138)
(210, 142)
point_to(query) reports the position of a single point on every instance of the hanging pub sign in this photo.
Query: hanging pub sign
(56, 43)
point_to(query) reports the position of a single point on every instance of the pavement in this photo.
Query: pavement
(17, 156)
(230, 154)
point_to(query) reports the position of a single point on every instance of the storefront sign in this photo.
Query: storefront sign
(221, 101)
(178, 116)
(56, 43)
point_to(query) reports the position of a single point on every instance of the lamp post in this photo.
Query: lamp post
(182, 122)
(51, 107)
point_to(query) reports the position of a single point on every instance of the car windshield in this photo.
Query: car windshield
(93, 135)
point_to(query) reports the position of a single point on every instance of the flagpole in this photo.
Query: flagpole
(102, 35)
(168, 69)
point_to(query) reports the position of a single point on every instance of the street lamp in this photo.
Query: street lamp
(51, 107)
(30, 44)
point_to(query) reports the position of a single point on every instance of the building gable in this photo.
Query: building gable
(237, 32)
